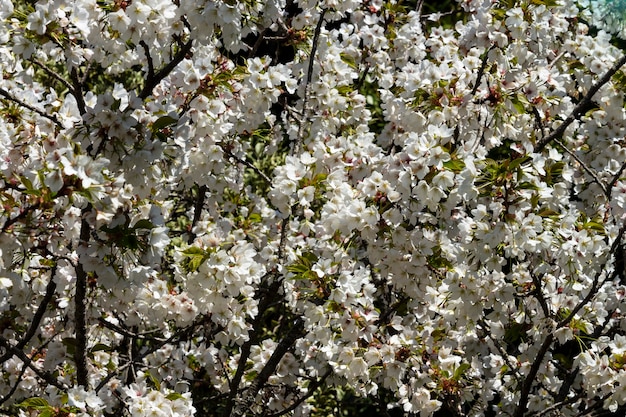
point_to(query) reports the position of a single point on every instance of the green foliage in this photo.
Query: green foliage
(195, 257)
(129, 238)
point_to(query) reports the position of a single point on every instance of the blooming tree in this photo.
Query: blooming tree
(236, 207)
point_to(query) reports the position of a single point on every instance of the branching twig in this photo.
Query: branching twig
(243, 405)
(77, 91)
(584, 167)
(4, 93)
(46, 376)
(155, 79)
(146, 50)
(307, 86)
(244, 353)
(614, 179)
(558, 132)
(247, 164)
(36, 320)
(534, 369)
(539, 295)
(501, 351)
(532, 373)
(176, 337)
(125, 332)
(310, 391)
(557, 406)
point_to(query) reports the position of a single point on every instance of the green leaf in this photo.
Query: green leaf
(34, 402)
(547, 3)
(29, 186)
(48, 412)
(454, 165)
(517, 162)
(196, 257)
(518, 105)
(592, 225)
(144, 224)
(174, 396)
(155, 382)
(100, 346)
(163, 122)
(458, 372)
(70, 345)
(194, 251)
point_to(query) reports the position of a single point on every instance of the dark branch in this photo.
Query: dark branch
(4, 93)
(307, 86)
(154, 80)
(77, 91)
(46, 376)
(580, 107)
(80, 301)
(243, 405)
(313, 386)
(481, 70)
(146, 50)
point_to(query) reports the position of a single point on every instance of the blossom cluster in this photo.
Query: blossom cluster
(237, 207)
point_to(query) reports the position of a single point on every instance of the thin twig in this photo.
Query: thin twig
(125, 332)
(557, 406)
(4, 93)
(310, 391)
(539, 294)
(614, 179)
(505, 357)
(584, 166)
(175, 338)
(576, 113)
(46, 376)
(247, 164)
(53, 74)
(307, 86)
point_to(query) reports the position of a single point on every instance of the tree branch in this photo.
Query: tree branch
(80, 301)
(197, 212)
(146, 50)
(481, 70)
(53, 74)
(34, 325)
(534, 369)
(307, 86)
(558, 132)
(593, 175)
(77, 91)
(46, 376)
(4, 93)
(310, 391)
(244, 353)
(243, 405)
(539, 294)
(155, 79)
